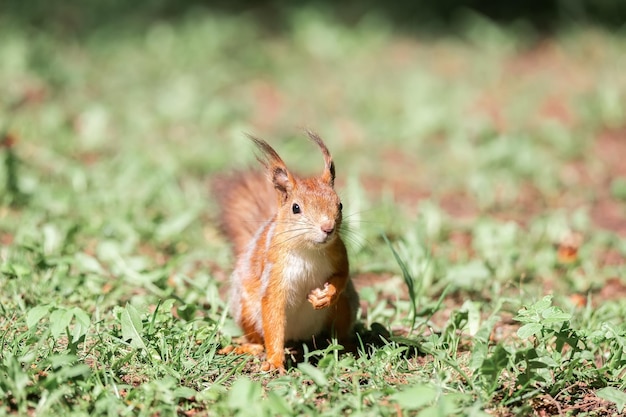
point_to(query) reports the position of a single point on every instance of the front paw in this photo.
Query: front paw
(322, 297)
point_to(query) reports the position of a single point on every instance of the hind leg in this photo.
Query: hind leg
(245, 348)
(252, 342)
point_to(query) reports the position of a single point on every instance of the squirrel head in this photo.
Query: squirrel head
(309, 209)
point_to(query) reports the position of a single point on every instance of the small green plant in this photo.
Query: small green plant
(59, 321)
(540, 320)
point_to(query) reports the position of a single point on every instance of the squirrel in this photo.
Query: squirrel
(291, 278)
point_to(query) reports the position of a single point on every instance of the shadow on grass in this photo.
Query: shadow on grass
(363, 342)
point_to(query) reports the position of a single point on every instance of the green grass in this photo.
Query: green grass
(475, 155)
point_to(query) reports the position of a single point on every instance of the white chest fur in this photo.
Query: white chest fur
(304, 271)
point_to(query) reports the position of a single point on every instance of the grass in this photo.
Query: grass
(479, 175)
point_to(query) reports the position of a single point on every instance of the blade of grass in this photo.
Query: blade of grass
(408, 280)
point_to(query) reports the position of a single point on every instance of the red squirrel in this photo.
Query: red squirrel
(291, 279)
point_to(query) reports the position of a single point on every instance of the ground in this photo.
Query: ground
(483, 183)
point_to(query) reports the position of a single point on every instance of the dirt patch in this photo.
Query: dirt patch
(610, 150)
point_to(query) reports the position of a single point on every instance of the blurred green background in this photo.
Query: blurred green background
(89, 15)
(486, 139)
(120, 113)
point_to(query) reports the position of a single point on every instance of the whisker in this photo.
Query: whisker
(348, 230)
(350, 219)
(354, 235)
(356, 241)
(363, 211)
(268, 220)
(282, 242)
(292, 231)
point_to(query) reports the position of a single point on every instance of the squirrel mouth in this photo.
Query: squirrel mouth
(324, 238)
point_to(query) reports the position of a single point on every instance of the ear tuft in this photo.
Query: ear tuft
(328, 176)
(278, 172)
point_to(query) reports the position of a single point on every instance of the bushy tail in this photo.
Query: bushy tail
(246, 201)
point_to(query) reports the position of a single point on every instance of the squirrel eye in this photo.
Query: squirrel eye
(295, 208)
(340, 206)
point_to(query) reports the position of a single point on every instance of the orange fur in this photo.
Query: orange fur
(291, 279)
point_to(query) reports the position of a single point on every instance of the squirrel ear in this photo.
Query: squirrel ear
(328, 176)
(282, 180)
(279, 175)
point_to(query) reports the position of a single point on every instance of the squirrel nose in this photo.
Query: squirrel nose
(327, 228)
